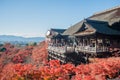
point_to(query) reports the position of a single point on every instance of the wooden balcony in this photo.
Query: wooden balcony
(68, 49)
(91, 49)
(61, 49)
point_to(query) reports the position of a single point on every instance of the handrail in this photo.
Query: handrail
(67, 49)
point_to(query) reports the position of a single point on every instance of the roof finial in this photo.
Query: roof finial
(85, 19)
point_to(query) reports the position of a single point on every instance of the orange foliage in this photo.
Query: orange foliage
(39, 53)
(29, 64)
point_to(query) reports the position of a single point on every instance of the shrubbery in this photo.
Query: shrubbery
(30, 63)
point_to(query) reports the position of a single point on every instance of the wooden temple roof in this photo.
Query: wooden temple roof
(55, 33)
(98, 23)
(110, 15)
(58, 30)
(93, 26)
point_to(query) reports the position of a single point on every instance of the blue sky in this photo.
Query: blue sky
(31, 18)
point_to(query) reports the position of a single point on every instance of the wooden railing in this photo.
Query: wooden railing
(85, 49)
(91, 49)
(68, 49)
(61, 49)
(102, 49)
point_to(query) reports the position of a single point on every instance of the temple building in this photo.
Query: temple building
(97, 35)
(93, 36)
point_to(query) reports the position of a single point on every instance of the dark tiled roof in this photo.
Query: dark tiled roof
(101, 22)
(55, 33)
(58, 30)
(87, 27)
(108, 10)
(73, 29)
(102, 27)
(111, 15)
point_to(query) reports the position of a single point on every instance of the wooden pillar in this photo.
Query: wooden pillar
(65, 48)
(87, 41)
(103, 40)
(96, 42)
(83, 45)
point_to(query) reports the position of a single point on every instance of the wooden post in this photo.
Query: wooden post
(83, 45)
(96, 44)
(88, 43)
(103, 44)
(65, 48)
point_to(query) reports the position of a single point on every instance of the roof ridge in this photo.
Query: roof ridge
(98, 21)
(57, 29)
(114, 8)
